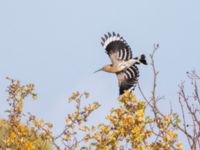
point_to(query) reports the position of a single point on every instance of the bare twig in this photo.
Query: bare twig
(192, 105)
(193, 109)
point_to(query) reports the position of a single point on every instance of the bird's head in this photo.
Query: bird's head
(106, 68)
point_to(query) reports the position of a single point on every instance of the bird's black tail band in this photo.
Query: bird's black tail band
(143, 59)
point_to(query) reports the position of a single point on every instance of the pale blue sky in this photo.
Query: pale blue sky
(56, 45)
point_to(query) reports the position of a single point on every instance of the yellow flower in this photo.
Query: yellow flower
(50, 125)
(171, 134)
(86, 94)
(122, 131)
(31, 86)
(167, 118)
(12, 135)
(67, 136)
(41, 122)
(34, 96)
(29, 146)
(84, 128)
(68, 120)
(126, 122)
(106, 129)
(179, 146)
(23, 130)
(86, 138)
(141, 112)
(165, 138)
(112, 137)
(75, 115)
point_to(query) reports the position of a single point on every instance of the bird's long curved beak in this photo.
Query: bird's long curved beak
(98, 70)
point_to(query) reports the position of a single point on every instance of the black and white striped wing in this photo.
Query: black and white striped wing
(128, 78)
(116, 47)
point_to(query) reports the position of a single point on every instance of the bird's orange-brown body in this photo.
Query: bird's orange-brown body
(120, 66)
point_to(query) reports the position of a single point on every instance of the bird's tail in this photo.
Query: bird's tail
(142, 59)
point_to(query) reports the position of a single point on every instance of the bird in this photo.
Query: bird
(124, 65)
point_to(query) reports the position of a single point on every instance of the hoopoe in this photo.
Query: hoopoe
(123, 64)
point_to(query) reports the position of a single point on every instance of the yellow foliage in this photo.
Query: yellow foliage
(171, 134)
(129, 126)
(68, 121)
(29, 146)
(179, 146)
(18, 135)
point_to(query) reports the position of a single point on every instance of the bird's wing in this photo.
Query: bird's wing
(116, 47)
(127, 78)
